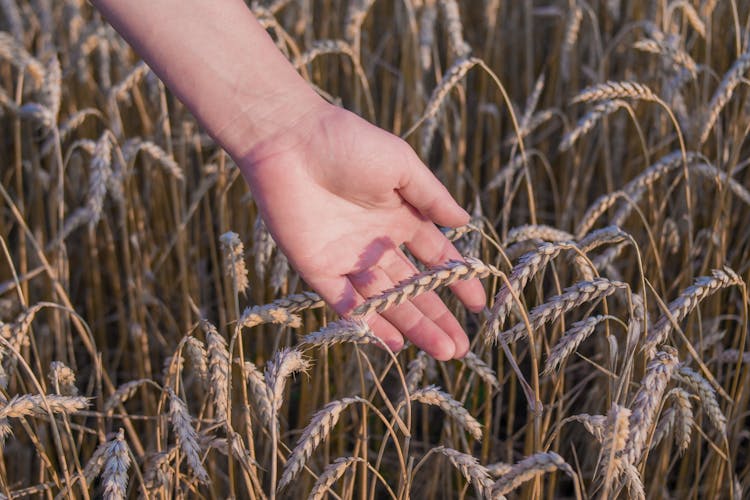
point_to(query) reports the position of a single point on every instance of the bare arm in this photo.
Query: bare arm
(339, 195)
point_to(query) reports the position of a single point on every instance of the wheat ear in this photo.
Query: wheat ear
(433, 396)
(707, 396)
(187, 437)
(330, 475)
(723, 93)
(529, 468)
(115, 473)
(218, 366)
(469, 467)
(345, 330)
(616, 90)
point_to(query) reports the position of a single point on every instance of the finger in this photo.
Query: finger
(431, 247)
(429, 196)
(341, 295)
(406, 317)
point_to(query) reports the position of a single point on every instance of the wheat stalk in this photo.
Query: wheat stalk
(317, 431)
(572, 297)
(433, 396)
(529, 468)
(427, 281)
(679, 308)
(187, 437)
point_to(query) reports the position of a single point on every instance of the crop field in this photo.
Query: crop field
(155, 343)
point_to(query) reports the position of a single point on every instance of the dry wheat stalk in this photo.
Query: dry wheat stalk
(707, 396)
(528, 469)
(234, 260)
(572, 29)
(723, 93)
(115, 473)
(594, 424)
(330, 475)
(218, 366)
(15, 53)
(416, 370)
(617, 430)
(285, 363)
(537, 232)
(269, 313)
(615, 90)
(647, 401)
(469, 467)
(573, 296)
(452, 18)
(198, 356)
(317, 431)
(427, 281)
(35, 405)
(679, 308)
(670, 52)
(528, 266)
(433, 396)
(63, 379)
(257, 384)
(569, 342)
(345, 330)
(323, 47)
(589, 121)
(134, 146)
(427, 20)
(482, 369)
(187, 437)
(124, 392)
(263, 246)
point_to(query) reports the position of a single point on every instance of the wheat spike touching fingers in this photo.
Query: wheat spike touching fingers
(330, 475)
(723, 93)
(427, 281)
(433, 396)
(529, 468)
(316, 432)
(611, 90)
(470, 468)
(345, 330)
(187, 437)
(688, 300)
(268, 314)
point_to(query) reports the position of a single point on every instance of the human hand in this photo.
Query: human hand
(340, 196)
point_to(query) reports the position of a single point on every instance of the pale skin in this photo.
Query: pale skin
(339, 195)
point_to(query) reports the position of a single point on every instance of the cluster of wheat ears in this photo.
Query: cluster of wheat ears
(601, 148)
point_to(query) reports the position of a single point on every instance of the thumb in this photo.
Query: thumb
(429, 196)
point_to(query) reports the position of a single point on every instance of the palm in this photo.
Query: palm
(342, 203)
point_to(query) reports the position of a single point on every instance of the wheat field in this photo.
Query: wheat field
(155, 343)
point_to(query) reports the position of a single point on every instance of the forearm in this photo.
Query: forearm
(219, 62)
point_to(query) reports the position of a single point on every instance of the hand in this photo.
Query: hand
(340, 196)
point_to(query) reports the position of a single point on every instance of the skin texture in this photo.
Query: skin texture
(339, 195)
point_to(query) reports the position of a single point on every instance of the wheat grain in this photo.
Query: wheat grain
(529, 468)
(123, 393)
(617, 430)
(572, 29)
(234, 260)
(354, 331)
(269, 313)
(317, 431)
(723, 93)
(218, 365)
(187, 437)
(257, 384)
(679, 308)
(588, 122)
(427, 281)
(263, 246)
(457, 45)
(134, 146)
(63, 379)
(330, 475)
(285, 363)
(15, 53)
(198, 356)
(707, 397)
(115, 473)
(416, 371)
(35, 405)
(615, 90)
(537, 232)
(482, 369)
(470, 468)
(572, 297)
(569, 342)
(433, 396)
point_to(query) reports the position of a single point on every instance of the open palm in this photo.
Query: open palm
(340, 196)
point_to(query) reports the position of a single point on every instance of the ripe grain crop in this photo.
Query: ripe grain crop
(156, 343)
